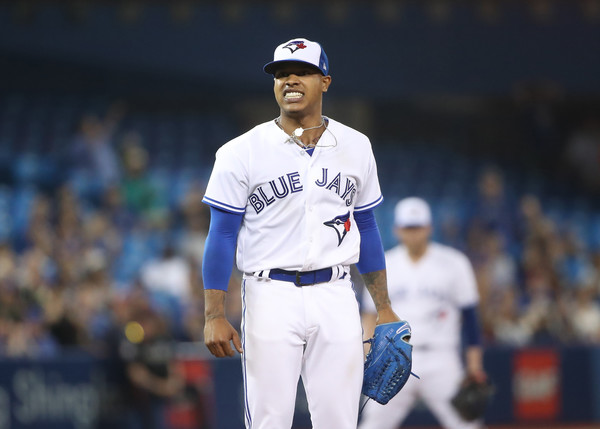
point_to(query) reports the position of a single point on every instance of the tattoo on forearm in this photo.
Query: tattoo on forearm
(376, 283)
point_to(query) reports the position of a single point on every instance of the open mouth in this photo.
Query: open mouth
(293, 95)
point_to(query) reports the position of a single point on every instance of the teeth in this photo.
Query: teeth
(293, 95)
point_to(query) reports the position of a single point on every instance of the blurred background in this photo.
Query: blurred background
(110, 114)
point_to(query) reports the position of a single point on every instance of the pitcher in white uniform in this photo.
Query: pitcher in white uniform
(295, 196)
(434, 287)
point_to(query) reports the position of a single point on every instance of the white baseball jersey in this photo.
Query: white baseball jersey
(298, 215)
(298, 208)
(430, 293)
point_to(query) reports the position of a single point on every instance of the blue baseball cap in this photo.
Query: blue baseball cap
(299, 50)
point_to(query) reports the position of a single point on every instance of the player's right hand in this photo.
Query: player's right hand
(218, 333)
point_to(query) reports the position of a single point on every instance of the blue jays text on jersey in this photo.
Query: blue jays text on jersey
(290, 183)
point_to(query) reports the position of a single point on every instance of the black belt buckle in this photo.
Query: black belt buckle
(298, 281)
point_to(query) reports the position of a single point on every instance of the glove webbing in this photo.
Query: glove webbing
(396, 379)
(370, 341)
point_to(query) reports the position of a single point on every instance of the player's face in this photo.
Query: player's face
(415, 238)
(299, 89)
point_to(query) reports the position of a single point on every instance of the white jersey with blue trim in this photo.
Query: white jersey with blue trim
(430, 293)
(298, 209)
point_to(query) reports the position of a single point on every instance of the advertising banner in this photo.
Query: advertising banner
(536, 384)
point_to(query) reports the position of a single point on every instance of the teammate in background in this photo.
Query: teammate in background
(296, 194)
(434, 287)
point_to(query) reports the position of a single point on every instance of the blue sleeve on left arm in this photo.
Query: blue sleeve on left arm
(372, 256)
(471, 329)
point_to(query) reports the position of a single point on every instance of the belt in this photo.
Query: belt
(303, 278)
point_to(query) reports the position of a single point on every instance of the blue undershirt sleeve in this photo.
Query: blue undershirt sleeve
(372, 256)
(219, 249)
(471, 329)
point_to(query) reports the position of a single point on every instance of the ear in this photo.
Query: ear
(325, 82)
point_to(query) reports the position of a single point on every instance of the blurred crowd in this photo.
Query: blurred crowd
(63, 285)
(539, 279)
(64, 279)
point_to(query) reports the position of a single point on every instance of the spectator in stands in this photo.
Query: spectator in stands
(91, 298)
(26, 338)
(152, 375)
(117, 213)
(167, 279)
(40, 218)
(531, 219)
(100, 235)
(21, 324)
(495, 269)
(584, 316)
(543, 294)
(93, 154)
(68, 228)
(492, 208)
(37, 267)
(194, 217)
(501, 264)
(60, 319)
(504, 323)
(139, 195)
(573, 261)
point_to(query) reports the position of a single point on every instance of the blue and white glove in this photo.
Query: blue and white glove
(389, 361)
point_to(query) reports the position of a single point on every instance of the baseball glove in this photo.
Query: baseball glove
(472, 398)
(389, 361)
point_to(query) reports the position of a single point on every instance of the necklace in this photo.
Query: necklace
(299, 131)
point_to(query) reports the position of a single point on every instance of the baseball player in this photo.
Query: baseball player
(296, 196)
(434, 287)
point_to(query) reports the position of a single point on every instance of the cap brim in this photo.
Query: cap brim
(271, 68)
(413, 225)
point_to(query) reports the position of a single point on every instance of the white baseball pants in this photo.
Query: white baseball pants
(311, 331)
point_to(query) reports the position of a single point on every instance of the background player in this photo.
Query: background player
(300, 190)
(434, 287)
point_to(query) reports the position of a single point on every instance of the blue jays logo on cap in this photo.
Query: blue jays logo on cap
(299, 50)
(294, 45)
(341, 225)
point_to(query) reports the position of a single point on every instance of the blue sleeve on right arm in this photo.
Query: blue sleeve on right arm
(219, 249)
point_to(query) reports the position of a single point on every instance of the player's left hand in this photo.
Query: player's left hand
(389, 361)
(386, 315)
